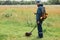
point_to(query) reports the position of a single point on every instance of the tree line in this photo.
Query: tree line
(8, 2)
(53, 2)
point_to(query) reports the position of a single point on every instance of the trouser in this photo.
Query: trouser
(40, 31)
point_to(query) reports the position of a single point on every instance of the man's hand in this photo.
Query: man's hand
(41, 17)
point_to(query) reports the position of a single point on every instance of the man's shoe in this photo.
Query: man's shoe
(40, 35)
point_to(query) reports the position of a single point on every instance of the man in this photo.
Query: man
(40, 18)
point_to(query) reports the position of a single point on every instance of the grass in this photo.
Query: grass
(23, 20)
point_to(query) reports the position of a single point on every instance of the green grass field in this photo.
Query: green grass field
(15, 21)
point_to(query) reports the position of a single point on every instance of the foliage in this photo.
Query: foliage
(17, 2)
(54, 1)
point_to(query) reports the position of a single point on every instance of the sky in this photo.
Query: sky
(28, 0)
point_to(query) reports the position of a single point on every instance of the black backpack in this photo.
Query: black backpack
(44, 14)
(43, 10)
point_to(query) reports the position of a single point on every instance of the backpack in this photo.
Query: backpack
(44, 14)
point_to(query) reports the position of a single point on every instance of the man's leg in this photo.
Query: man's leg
(40, 32)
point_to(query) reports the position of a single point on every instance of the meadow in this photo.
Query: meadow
(15, 20)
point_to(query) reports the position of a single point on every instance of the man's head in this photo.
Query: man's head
(39, 3)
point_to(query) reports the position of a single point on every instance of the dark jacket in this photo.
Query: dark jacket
(39, 13)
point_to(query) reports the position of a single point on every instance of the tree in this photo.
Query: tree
(22, 2)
